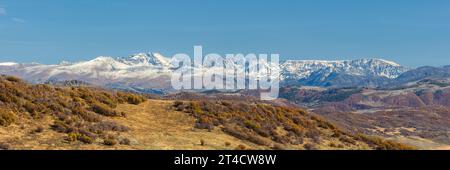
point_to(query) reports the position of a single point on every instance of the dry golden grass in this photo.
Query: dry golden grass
(153, 126)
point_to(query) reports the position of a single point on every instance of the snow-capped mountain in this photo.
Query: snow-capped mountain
(146, 59)
(8, 64)
(140, 69)
(361, 72)
(299, 69)
(146, 71)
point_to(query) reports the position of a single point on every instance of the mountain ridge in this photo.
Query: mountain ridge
(145, 68)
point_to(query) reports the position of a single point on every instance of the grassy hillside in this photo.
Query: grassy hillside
(59, 117)
(277, 127)
(77, 113)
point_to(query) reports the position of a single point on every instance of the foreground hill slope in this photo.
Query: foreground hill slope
(151, 126)
(58, 117)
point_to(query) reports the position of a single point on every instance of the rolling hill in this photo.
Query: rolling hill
(64, 117)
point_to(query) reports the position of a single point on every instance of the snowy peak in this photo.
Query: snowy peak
(100, 63)
(376, 61)
(8, 64)
(161, 59)
(298, 69)
(145, 59)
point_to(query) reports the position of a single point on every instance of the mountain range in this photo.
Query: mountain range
(136, 73)
(150, 72)
(363, 96)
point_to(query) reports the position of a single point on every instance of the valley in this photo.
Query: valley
(418, 115)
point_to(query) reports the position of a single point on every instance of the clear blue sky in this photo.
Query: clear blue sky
(411, 32)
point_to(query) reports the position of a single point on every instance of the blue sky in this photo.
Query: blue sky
(411, 32)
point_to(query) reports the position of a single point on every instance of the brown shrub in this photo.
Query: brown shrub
(336, 134)
(72, 137)
(333, 145)
(196, 109)
(346, 139)
(87, 115)
(278, 146)
(251, 125)
(299, 131)
(227, 144)
(125, 141)
(86, 139)
(178, 105)
(39, 129)
(257, 140)
(314, 135)
(5, 98)
(4, 146)
(134, 99)
(7, 117)
(107, 99)
(105, 110)
(30, 107)
(241, 147)
(13, 79)
(60, 126)
(381, 144)
(234, 131)
(110, 141)
(310, 146)
(204, 123)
